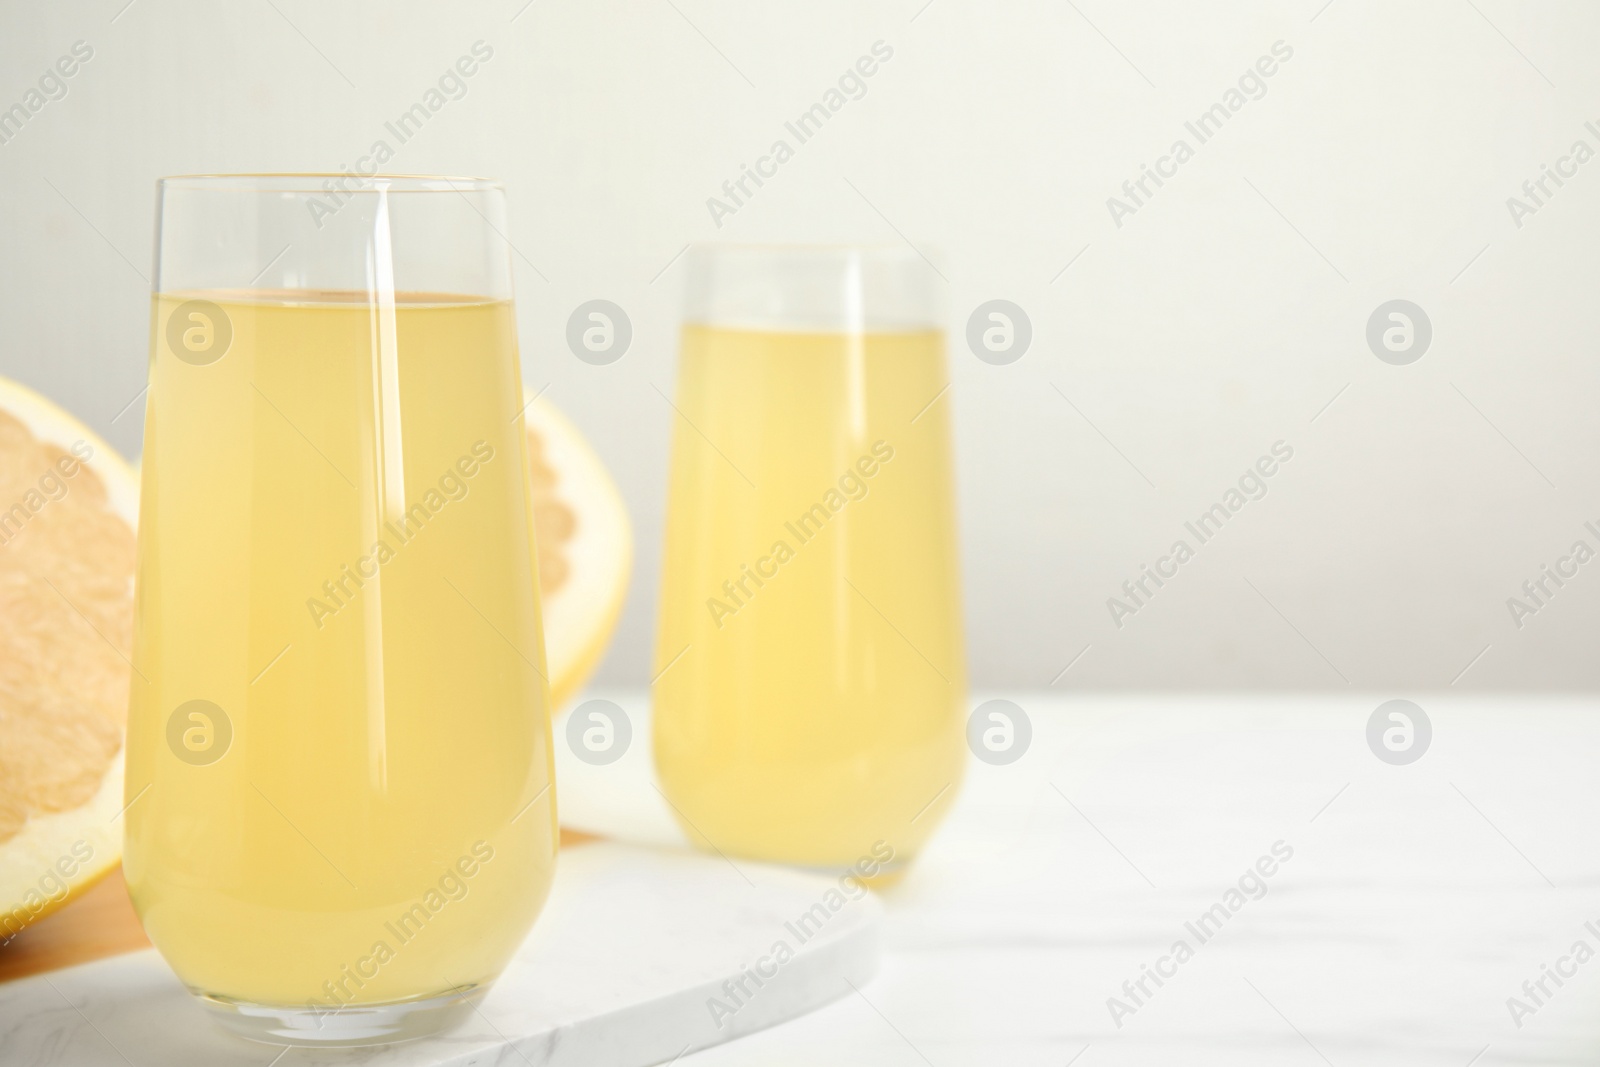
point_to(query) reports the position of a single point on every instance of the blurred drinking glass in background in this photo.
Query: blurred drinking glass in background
(812, 680)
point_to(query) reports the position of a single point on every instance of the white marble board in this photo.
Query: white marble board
(631, 947)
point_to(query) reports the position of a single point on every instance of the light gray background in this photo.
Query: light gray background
(1225, 315)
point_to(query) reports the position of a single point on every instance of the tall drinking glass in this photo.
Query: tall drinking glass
(812, 677)
(340, 822)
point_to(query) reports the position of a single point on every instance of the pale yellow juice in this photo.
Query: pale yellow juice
(812, 696)
(337, 553)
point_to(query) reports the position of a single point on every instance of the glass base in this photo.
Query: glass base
(352, 1024)
(888, 874)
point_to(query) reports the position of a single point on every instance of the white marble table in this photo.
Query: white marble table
(1388, 914)
(1418, 898)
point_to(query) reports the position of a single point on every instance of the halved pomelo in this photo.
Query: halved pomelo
(68, 515)
(585, 548)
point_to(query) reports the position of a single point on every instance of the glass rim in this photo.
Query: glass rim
(881, 252)
(312, 182)
(809, 288)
